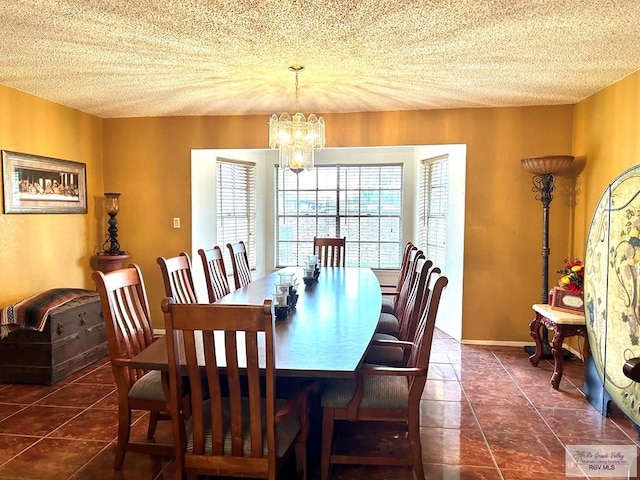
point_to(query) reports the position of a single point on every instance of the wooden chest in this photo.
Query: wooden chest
(73, 337)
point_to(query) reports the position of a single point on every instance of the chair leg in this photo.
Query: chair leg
(416, 449)
(301, 460)
(327, 441)
(124, 428)
(153, 423)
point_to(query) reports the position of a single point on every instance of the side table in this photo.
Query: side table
(564, 325)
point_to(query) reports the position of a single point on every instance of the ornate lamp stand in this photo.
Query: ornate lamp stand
(111, 257)
(543, 170)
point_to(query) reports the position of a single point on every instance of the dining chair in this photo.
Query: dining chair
(379, 351)
(392, 291)
(178, 278)
(389, 323)
(215, 273)
(384, 394)
(128, 326)
(240, 264)
(383, 348)
(330, 251)
(237, 427)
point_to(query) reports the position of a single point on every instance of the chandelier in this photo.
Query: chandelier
(295, 136)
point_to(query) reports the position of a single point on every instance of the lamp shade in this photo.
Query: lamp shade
(111, 204)
(546, 165)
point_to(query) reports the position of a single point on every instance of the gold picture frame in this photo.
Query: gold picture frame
(565, 301)
(36, 184)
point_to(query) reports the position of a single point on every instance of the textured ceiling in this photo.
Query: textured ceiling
(130, 58)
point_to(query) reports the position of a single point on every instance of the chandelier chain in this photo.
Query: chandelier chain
(297, 107)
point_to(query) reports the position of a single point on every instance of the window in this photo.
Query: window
(360, 202)
(432, 216)
(236, 206)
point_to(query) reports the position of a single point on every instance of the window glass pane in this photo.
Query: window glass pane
(287, 182)
(287, 251)
(392, 177)
(360, 202)
(307, 203)
(369, 254)
(369, 229)
(290, 200)
(370, 178)
(389, 253)
(328, 178)
(327, 204)
(390, 230)
(350, 228)
(306, 228)
(349, 202)
(369, 202)
(391, 202)
(287, 229)
(326, 227)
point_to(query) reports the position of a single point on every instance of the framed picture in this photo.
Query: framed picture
(34, 184)
(565, 301)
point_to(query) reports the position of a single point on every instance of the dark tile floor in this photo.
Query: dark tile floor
(486, 414)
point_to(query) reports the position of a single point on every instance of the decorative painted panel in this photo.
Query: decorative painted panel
(612, 288)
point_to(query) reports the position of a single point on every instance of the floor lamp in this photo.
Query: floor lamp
(543, 170)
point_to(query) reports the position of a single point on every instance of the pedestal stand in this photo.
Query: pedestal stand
(108, 262)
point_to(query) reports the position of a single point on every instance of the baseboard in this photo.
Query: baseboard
(495, 343)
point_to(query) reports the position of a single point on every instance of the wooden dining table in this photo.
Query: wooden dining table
(327, 333)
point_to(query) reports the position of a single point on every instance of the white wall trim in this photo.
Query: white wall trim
(492, 343)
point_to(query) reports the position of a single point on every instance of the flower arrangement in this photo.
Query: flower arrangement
(572, 278)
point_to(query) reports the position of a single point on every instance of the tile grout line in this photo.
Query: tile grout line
(544, 420)
(475, 417)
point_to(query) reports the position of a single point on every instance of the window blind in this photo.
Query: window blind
(236, 206)
(432, 216)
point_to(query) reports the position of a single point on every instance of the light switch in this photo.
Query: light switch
(176, 222)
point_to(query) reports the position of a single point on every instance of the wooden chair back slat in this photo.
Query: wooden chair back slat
(411, 313)
(404, 265)
(215, 396)
(125, 309)
(240, 264)
(405, 289)
(239, 380)
(178, 278)
(127, 320)
(215, 273)
(420, 353)
(330, 251)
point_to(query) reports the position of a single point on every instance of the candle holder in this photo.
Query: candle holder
(280, 307)
(111, 257)
(111, 246)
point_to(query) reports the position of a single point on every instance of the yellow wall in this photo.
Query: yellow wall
(148, 161)
(43, 251)
(607, 134)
